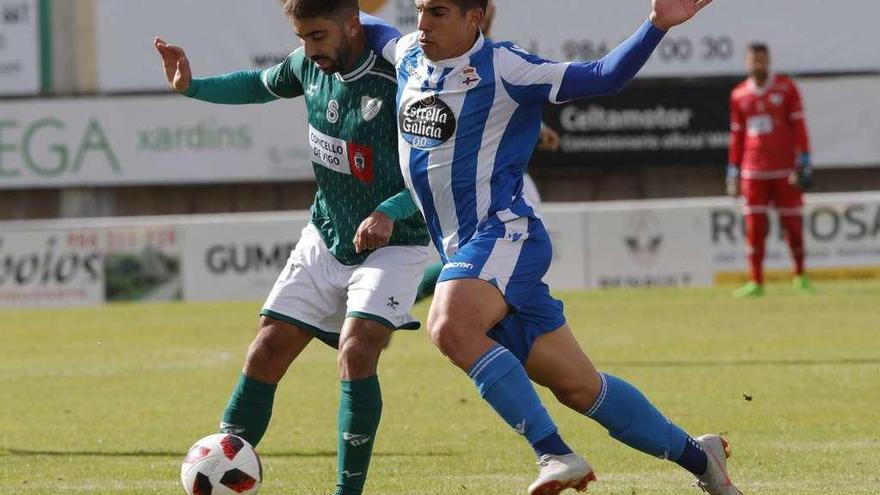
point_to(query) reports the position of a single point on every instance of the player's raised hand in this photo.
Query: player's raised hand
(176, 65)
(669, 13)
(374, 232)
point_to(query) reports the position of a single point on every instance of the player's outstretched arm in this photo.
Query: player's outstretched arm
(613, 72)
(235, 88)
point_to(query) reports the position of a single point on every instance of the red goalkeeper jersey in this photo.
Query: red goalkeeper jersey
(767, 128)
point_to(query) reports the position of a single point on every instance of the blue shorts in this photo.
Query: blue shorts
(513, 256)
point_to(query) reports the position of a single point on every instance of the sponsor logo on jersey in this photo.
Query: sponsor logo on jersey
(392, 303)
(370, 107)
(340, 156)
(427, 123)
(470, 78)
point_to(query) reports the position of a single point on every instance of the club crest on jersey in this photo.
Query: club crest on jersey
(776, 99)
(427, 122)
(370, 107)
(360, 161)
(469, 78)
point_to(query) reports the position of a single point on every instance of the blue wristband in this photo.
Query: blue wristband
(804, 160)
(732, 172)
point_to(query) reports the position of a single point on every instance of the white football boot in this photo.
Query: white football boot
(716, 480)
(560, 472)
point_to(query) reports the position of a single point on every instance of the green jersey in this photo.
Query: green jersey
(353, 136)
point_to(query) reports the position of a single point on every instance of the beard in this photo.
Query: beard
(333, 63)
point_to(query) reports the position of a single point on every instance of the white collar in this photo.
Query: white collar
(457, 61)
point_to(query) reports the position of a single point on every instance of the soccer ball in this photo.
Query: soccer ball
(221, 464)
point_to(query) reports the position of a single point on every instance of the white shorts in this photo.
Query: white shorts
(317, 293)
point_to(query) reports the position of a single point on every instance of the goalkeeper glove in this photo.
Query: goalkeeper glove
(732, 180)
(804, 177)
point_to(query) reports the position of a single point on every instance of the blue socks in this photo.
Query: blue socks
(630, 418)
(504, 384)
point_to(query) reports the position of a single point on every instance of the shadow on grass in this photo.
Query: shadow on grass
(161, 453)
(743, 362)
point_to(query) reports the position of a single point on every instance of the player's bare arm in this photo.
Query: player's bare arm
(175, 64)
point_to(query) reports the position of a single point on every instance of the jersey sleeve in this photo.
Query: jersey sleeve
(399, 207)
(737, 133)
(234, 88)
(798, 120)
(285, 79)
(381, 36)
(538, 81)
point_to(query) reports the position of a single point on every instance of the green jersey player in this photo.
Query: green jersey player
(340, 284)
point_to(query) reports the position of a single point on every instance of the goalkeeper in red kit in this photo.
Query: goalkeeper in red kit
(769, 163)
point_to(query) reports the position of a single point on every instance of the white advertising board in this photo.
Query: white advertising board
(568, 230)
(67, 265)
(806, 36)
(150, 140)
(842, 120)
(19, 47)
(238, 259)
(840, 232)
(49, 268)
(647, 247)
(670, 243)
(218, 35)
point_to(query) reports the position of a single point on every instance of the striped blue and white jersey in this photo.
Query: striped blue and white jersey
(468, 126)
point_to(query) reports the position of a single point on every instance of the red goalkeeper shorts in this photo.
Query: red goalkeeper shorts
(760, 194)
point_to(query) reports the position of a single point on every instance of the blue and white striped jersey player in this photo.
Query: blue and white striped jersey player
(469, 112)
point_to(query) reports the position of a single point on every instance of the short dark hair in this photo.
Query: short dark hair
(309, 9)
(758, 47)
(465, 5)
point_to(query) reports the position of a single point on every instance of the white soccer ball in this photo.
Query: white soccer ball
(221, 464)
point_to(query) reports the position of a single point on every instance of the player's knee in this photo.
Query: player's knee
(358, 358)
(578, 393)
(269, 352)
(444, 334)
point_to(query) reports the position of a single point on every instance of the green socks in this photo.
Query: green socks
(249, 410)
(360, 408)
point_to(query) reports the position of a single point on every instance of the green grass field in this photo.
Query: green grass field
(109, 400)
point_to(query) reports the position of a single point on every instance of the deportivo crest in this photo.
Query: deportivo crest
(370, 107)
(469, 77)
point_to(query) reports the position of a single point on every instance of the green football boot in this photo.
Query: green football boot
(802, 284)
(751, 289)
